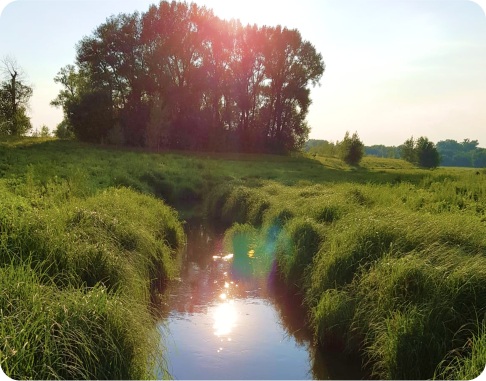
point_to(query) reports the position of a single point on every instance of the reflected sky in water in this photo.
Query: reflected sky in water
(224, 322)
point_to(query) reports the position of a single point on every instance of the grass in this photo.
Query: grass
(394, 271)
(390, 259)
(76, 266)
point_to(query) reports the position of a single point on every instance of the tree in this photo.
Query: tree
(456, 154)
(469, 145)
(421, 152)
(73, 83)
(427, 154)
(69, 78)
(14, 99)
(480, 158)
(291, 64)
(158, 126)
(91, 115)
(351, 149)
(322, 148)
(44, 132)
(408, 151)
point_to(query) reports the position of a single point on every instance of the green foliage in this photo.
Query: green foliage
(116, 136)
(17, 123)
(69, 333)
(390, 257)
(421, 152)
(351, 149)
(64, 130)
(44, 132)
(464, 154)
(218, 99)
(91, 115)
(427, 154)
(295, 248)
(469, 362)
(408, 151)
(157, 135)
(85, 261)
(321, 147)
(383, 151)
(15, 94)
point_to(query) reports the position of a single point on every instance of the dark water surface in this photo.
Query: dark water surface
(225, 322)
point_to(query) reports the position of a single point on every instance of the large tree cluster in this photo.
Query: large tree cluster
(464, 154)
(179, 77)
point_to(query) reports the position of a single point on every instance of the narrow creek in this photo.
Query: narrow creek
(222, 320)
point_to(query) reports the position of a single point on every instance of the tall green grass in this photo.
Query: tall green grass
(73, 333)
(76, 267)
(390, 258)
(394, 271)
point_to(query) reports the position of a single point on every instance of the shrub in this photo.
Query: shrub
(421, 151)
(351, 149)
(64, 130)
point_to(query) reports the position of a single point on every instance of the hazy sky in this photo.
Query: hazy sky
(393, 68)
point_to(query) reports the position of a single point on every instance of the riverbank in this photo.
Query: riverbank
(394, 271)
(75, 275)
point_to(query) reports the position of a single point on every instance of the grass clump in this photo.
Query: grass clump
(295, 248)
(117, 237)
(48, 333)
(332, 318)
(75, 276)
(468, 362)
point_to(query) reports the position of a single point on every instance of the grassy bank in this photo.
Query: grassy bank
(387, 256)
(394, 271)
(75, 271)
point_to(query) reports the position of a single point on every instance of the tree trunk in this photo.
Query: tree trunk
(14, 105)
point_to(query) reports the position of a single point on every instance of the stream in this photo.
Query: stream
(223, 320)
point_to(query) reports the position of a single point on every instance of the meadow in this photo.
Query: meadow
(388, 258)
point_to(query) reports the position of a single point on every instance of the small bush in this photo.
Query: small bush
(351, 149)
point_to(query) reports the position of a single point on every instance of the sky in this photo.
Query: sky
(394, 68)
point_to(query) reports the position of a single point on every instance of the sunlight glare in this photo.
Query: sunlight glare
(224, 319)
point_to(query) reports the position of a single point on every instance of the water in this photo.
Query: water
(223, 320)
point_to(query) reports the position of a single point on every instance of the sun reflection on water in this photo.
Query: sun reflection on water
(225, 312)
(224, 319)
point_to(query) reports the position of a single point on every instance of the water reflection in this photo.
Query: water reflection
(230, 318)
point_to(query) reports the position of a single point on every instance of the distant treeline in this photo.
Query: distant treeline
(179, 77)
(465, 154)
(452, 153)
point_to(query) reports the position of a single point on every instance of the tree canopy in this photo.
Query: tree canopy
(207, 83)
